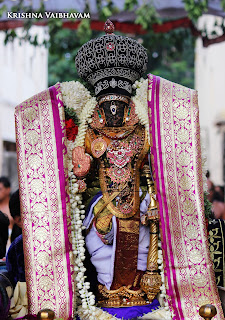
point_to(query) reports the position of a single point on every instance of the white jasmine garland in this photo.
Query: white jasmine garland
(141, 103)
(75, 95)
(85, 118)
(142, 89)
(77, 210)
(137, 83)
(78, 98)
(142, 114)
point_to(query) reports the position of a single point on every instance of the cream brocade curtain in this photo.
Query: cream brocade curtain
(176, 157)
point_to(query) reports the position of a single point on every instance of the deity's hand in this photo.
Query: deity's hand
(81, 162)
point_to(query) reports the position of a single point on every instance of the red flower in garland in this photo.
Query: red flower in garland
(71, 130)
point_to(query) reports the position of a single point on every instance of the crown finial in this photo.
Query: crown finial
(109, 27)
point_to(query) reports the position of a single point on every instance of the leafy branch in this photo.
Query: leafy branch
(195, 8)
(147, 15)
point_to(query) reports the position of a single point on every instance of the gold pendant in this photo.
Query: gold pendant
(98, 147)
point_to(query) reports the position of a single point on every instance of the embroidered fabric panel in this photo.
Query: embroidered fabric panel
(125, 267)
(216, 234)
(42, 174)
(175, 146)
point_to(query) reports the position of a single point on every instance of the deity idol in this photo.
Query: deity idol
(118, 143)
(134, 164)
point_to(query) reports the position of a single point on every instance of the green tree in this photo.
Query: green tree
(171, 55)
(62, 52)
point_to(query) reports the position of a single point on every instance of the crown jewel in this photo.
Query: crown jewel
(109, 27)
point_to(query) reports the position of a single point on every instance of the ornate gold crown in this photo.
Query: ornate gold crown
(111, 63)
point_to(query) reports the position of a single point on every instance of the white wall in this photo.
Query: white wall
(23, 70)
(23, 73)
(210, 83)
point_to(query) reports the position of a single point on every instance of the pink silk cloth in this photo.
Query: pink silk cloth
(176, 157)
(45, 206)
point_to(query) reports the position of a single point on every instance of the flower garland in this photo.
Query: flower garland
(78, 214)
(78, 98)
(85, 118)
(79, 101)
(75, 96)
(141, 102)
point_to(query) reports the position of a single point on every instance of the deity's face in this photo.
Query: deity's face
(114, 112)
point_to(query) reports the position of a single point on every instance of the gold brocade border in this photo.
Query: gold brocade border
(183, 202)
(46, 265)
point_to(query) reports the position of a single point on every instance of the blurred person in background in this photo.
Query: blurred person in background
(220, 190)
(14, 207)
(218, 206)
(4, 224)
(211, 187)
(14, 270)
(6, 220)
(5, 189)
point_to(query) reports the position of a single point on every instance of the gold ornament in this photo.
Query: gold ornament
(207, 311)
(46, 314)
(151, 280)
(98, 147)
(122, 297)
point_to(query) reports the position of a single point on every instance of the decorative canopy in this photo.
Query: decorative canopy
(173, 10)
(166, 9)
